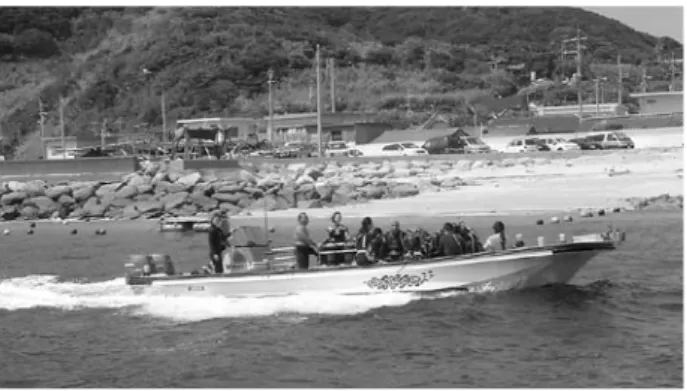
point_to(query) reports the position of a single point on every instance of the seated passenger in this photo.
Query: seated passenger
(364, 234)
(376, 248)
(337, 236)
(414, 242)
(395, 245)
(470, 240)
(337, 232)
(497, 241)
(449, 243)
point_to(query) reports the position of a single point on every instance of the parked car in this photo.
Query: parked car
(605, 140)
(336, 148)
(402, 149)
(559, 144)
(294, 149)
(526, 144)
(453, 144)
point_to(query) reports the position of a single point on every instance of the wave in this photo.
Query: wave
(46, 291)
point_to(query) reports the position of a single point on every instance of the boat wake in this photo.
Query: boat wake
(45, 291)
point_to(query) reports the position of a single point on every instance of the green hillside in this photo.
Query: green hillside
(403, 63)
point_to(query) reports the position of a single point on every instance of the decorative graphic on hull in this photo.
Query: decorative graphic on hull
(399, 281)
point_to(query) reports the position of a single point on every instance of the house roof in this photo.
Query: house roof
(656, 94)
(413, 135)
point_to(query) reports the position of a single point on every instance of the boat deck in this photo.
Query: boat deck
(557, 248)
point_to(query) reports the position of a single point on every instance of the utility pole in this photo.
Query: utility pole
(672, 71)
(319, 114)
(578, 51)
(41, 121)
(270, 76)
(596, 94)
(644, 85)
(103, 132)
(164, 117)
(620, 82)
(64, 146)
(331, 84)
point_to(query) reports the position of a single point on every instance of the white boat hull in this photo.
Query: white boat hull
(514, 269)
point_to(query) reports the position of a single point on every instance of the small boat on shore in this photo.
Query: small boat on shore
(256, 270)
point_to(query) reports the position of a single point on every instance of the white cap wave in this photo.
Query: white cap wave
(48, 292)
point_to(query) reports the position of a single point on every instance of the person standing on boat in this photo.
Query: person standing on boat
(497, 241)
(217, 239)
(395, 242)
(304, 245)
(449, 243)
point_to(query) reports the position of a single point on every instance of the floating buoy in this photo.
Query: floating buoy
(555, 220)
(74, 231)
(32, 225)
(100, 231)
(6, 231)
(617, 210)
(568, 219)
(30, 231)
(540, 222)
(601, 212)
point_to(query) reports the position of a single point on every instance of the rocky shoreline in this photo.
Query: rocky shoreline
(162, 189)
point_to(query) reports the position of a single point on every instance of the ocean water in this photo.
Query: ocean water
(67, 320)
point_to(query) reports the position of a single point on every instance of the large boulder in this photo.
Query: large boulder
(29, 212)
(270, 203)
(126, 192)
(81, 194)
(404, 190)
(230, 208)
(93, 208)
(147, 206)
(372, 192)
(16, 186)
(136, 180)
(233, 198)
(174, 200)
(107, 190)
(35, 189)
(56, 191)
(144, 189)
(169, 188)
(15, 197)
(9, 213)
(46, 206)
(189, 180)
(203, 202)
(65, 199)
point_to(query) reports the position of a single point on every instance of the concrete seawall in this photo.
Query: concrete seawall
(91, 167)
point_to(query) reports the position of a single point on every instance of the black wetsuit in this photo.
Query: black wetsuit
(395, 245)
(217, 242)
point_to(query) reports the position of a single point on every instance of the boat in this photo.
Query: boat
(253, 269)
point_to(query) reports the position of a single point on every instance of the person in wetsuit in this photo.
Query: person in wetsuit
(449, 244)
(395, 242)
(362, 239)
(304, 246)
(217, 240)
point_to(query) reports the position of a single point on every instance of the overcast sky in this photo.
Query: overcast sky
(658, 21)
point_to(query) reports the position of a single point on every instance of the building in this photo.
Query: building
(239, 127)
(53, 148)
(359, 128)
(607, 109)
(660, 102)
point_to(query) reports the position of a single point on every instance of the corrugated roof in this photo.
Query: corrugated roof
(395, 136)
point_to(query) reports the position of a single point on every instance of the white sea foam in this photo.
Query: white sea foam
(48, 292)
